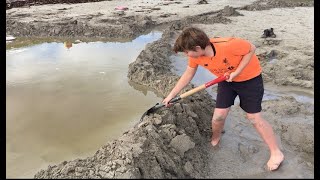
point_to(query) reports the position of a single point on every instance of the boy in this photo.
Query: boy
(235, 57)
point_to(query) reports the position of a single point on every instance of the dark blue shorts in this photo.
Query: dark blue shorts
(250, 94)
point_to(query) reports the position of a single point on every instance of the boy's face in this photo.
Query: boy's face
(194, 53)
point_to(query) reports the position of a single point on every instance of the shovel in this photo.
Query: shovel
(184, 95)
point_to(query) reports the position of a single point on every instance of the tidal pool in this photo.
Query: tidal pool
(65, 100)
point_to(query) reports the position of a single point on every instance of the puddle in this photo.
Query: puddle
(202, 76)
(65, 101)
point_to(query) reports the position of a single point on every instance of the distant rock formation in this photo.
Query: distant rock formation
(20, 3)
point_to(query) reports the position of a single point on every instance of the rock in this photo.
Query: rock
(81, 169)
(10, 38)
(67, 168)
(182, 143)
(268, 33)
(168, 131)
(202, 2)
(157, 121)
(188, 168)
(189, 112)
(178, 107)
(119, 12)
(27, 3)
(230, 11)
(155, 8)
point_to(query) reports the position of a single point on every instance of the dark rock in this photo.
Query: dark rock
(202, 2)
(268, 33)
(19, 3)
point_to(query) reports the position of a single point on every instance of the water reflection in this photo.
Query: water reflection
(62, 105)
(67, 44)
(138, 87)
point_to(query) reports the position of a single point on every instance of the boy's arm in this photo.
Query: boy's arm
(182, 82)
(243, 63)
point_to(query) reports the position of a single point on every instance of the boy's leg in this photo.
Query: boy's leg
(218, 120)
(266, 132)
(225, 99)
(250, 94)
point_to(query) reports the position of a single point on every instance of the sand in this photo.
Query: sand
(175, 143)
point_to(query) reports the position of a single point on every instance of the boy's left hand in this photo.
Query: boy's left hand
(231, 76)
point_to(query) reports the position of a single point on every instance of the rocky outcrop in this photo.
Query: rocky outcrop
(20, 3)
(268, 4)
(126, 28)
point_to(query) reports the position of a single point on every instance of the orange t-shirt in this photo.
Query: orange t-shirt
(229, 53)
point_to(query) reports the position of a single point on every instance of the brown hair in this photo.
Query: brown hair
(190, 38)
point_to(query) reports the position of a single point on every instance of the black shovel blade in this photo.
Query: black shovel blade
(158, 106)
(152, 110)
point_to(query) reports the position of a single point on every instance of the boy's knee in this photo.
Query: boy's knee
(251, 117)
(254, 118)
(218, 117)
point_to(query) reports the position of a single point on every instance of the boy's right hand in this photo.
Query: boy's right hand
(166, 101)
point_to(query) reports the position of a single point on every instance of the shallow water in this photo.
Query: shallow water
(202, 76)
(63, 104)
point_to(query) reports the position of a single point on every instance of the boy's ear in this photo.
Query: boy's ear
(198, 48)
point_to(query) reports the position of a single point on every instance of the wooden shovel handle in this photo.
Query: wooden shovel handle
(204, 86)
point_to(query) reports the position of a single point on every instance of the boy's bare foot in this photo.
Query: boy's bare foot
(275, 161)
(214, 142)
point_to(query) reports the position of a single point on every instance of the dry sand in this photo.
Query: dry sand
(175, 143)
(154, 8)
